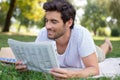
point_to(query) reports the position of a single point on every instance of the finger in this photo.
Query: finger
(18, 63)
(58, 74)
(21, 67)
(59, 70)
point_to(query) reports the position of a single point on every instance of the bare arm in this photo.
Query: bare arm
(91, 69)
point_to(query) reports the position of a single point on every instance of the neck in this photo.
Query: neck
(63, 40)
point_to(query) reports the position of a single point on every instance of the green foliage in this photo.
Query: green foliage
(95, 15)
(104, 31)
(27, 13)
(30, 12)
(115, 32)
(3, 11)
(31, 9)
(115, 10)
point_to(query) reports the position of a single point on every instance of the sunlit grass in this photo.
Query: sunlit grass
(115, 42)
(111, 38)
(8, 72)
(5, 36)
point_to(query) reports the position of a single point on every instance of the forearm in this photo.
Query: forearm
(87, 72)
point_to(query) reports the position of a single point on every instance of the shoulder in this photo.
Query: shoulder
(42, 36)
(84, 41)
(80, 28)
(43, 29)
(80, 31)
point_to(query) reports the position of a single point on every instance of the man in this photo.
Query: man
(74, 43)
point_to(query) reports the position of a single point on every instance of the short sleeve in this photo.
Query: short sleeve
(86, 44)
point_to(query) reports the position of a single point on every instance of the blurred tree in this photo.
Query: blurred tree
(115, 10)
(49, 0)
(27, 12)
(95, 15)
(3, 10)
(30, 9)
(9, 15)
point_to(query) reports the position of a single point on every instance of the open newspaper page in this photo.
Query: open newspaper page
(37, 56)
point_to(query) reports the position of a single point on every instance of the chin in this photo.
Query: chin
(51, 37)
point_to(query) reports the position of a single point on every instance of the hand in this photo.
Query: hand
(20, 66)
(60, 73)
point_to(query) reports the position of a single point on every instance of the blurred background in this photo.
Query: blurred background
(101, 17)
(22, 20)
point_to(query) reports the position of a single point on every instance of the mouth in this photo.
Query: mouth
(50, 32)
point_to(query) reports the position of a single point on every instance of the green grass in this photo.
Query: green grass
(5, 37)
(8, 72)
(115, 42)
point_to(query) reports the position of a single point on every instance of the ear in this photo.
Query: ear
(69, 23)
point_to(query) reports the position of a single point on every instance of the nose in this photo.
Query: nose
(48, 25)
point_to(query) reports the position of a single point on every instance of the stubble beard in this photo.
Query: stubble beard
(57, 35)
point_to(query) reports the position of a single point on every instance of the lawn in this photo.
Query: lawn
(8, 72)
(115, 42)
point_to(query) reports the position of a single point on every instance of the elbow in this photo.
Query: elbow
(97, 71)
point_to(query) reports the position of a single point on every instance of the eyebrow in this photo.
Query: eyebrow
(54, 20)
(51, 19)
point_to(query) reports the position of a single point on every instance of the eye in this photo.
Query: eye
(54, 21)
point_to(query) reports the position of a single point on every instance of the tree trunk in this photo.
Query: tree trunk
(9, 15)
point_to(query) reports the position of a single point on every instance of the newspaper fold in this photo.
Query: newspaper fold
(37, 56)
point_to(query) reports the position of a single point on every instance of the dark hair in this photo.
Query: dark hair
(65, 8)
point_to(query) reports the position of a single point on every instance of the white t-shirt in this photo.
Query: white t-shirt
(80, 45)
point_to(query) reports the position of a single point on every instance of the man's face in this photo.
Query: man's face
(54, 25)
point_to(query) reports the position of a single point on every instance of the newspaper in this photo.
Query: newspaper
(36, 56)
